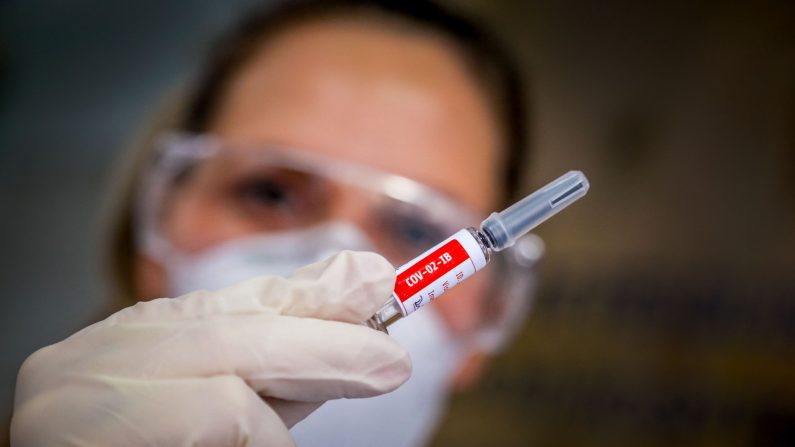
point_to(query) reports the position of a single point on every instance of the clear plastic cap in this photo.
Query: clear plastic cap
(505, 227)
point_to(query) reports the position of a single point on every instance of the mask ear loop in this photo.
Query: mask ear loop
(512, 294)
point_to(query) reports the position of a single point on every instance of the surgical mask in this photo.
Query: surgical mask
(240, 259)
(415, 407)
(405, 417)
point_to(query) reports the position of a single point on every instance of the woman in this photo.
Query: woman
(318, 127)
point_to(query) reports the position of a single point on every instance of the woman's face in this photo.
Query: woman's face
(400, 101)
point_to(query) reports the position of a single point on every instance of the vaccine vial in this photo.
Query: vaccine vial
(428, 276)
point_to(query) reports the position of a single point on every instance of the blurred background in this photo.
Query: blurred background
(666, 313)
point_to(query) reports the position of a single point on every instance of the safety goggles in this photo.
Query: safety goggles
(270, 189)
(265, 189)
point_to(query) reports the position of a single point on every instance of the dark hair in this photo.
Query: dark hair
(484, 56)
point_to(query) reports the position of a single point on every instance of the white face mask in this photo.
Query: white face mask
(277, 254)
(405, 417)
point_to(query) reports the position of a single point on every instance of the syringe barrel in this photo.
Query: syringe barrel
(505, 227)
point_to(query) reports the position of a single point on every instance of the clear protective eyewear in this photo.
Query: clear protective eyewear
(267, 189)
(270, 189)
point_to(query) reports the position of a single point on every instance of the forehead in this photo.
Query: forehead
(396, 100)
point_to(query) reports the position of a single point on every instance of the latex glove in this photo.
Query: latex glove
(238, 366)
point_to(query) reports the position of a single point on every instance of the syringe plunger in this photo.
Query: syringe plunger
(505, 227)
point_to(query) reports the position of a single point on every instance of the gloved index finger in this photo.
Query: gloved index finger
(349, 287)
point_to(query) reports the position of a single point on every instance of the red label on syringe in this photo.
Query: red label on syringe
(432, 273)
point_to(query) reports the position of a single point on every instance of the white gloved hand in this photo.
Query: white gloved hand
(237, 366)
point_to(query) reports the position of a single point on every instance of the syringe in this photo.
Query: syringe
(426, 277)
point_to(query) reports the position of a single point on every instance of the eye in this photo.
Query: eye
(415, 231)
(281, 194)
(270, 192)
